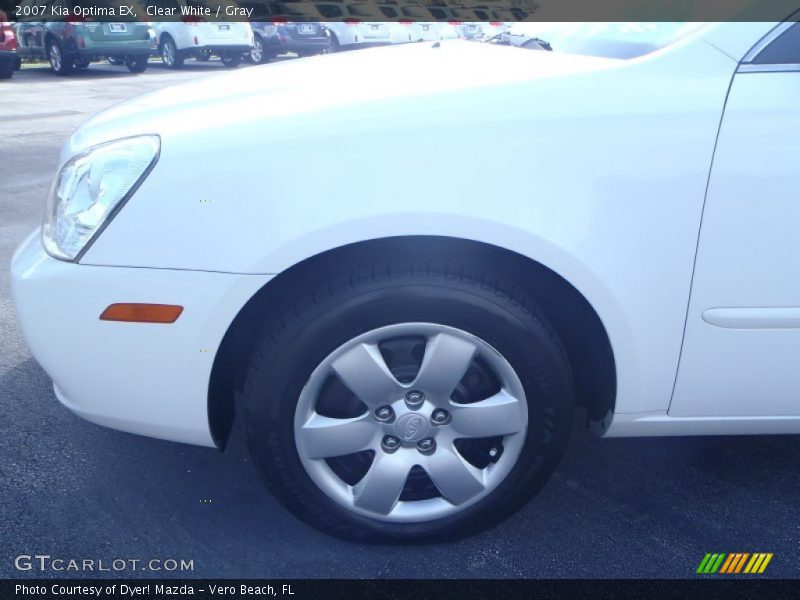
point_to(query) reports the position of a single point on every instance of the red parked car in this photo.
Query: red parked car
(9, 61)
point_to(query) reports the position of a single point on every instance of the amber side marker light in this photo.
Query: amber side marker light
(142, 313)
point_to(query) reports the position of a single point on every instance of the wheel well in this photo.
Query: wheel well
(578, 325)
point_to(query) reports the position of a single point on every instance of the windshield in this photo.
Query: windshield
(609, 40)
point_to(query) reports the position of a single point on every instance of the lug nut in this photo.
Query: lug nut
(414, 399)
(426, 446)
(390, 443)
(384, 414)
(440, 416)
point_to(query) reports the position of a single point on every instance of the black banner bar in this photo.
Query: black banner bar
(416, 10)
(688, 589)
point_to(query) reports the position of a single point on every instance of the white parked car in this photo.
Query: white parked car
(401, 32)
(195, 37)
(423, 31)
(482, 30)
(352, 33)
(406, 349)
(448, 31)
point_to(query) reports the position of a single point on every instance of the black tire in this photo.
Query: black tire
(6, 69)
(136, 64)
(60, 64)
(335, 45)
(172, 57)
(258, 54)
(231, 60)
(370, 294)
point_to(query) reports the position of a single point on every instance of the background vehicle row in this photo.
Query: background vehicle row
(9, 60)
(71, 45)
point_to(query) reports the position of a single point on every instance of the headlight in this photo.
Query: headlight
(89, 190)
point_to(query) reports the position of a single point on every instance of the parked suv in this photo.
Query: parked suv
(274, 38)
(70, 45)
(9, 61)
(194, 37)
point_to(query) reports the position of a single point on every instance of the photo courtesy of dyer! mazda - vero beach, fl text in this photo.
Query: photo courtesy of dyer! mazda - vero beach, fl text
(404, 269)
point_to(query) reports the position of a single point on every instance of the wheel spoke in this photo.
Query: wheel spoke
(446, 360)
(379, 490)
(365, 373)
(501, 414)
(324, 437)
(457, 480)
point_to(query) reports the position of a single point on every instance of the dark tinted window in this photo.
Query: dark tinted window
(784, 50)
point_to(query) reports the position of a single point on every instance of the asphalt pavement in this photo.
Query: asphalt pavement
(73, 490)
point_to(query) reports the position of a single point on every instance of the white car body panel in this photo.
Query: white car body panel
(568, 223)
(193, 35)
(425, 32)
(744, 306)
(619, 219)
(359, 33)
(147, 379)
(399, 33)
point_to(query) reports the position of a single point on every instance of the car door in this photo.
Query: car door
(741, 352)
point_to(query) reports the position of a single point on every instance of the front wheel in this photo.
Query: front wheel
(399, 403)
(170, 54)
(334, 46)
(258, 53)
(231, 59)
(136, 64)
(59, 62)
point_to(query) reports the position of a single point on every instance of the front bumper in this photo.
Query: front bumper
(96, 52)
(147, 379)
(303, 46)
(219, 48)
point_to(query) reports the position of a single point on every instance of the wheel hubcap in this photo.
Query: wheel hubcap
(256, 52)
(55, 58)
(168, 54)
(411, 422)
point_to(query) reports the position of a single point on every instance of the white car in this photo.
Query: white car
(406, 349)
(195, 37)
(481, 30)
(401, 32)
(352, 33)
(424, 31)
(448, 31)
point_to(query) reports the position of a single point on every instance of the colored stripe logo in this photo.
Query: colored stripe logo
(734, 563)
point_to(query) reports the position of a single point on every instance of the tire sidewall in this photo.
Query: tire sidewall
(274, 384)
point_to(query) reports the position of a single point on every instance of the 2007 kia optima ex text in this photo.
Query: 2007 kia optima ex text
(406, 265)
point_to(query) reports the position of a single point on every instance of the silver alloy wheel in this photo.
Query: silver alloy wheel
(55, 58)
(168, 53)
(423, 429)
(257, 51)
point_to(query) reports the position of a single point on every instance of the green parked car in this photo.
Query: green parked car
(68, 42)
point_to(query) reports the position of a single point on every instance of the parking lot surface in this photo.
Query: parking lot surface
(70, 489)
